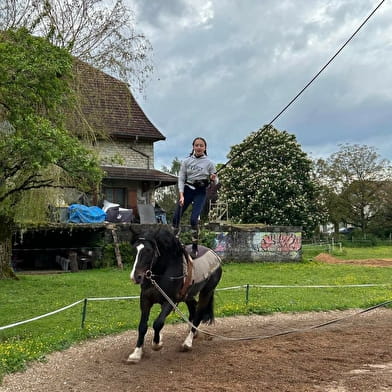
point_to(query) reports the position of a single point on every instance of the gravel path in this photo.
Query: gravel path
(354, 354)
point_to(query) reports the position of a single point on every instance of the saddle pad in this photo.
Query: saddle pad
(205, 265)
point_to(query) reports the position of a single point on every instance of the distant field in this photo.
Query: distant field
(347, 253)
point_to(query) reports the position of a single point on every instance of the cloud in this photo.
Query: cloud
(225, 68)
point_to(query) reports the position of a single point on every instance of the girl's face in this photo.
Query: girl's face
(199, 147)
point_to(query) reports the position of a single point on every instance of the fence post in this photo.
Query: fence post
(84, 312)
(247, 294)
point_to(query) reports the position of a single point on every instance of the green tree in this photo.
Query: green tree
(167, 197)
(100, 32)
(270, 181)
(34, 94)
(381, 224)
(355, 180)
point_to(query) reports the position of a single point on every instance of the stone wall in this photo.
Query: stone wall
(269, 243)
(41, 246)
(244, 243)
(124, 153)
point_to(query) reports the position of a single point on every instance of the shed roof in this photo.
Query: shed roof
(126, 173)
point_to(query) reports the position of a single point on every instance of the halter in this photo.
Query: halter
(148, 274)
(153, 242)
(156, 254)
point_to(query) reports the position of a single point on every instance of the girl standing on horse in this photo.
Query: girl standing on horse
(196, 173)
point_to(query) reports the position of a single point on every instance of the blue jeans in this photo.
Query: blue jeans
(197, 197)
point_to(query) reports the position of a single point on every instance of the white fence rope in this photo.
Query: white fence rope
(42, 316)
(111, 298)
(220, 289)
(322, 286)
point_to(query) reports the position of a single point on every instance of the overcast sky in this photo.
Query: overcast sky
(224, 68)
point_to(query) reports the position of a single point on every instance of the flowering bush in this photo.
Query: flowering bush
(269, 181)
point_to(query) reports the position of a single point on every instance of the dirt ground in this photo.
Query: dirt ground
(352, 354)
(326, 258)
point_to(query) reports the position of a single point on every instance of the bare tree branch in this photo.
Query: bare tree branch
(100, 32)
(31, 182)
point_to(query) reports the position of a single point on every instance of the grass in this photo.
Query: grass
(346, 253)
(34, 295)
(379, 252)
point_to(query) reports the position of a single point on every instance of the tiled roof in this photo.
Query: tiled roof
(109, 107)
(126, 173)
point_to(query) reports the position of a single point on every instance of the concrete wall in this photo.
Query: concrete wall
(269, 243)
(39, 247)
(236, 243)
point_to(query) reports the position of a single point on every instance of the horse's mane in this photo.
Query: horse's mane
(166, 241)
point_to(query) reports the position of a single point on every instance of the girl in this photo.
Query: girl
(196, 172)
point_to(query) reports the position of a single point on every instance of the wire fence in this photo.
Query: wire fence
(245, 287)
(324, 246)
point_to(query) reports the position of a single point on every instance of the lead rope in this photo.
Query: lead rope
(186, 319)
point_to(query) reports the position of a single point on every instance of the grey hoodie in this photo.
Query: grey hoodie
(193, 169)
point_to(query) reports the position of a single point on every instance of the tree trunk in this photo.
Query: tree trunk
(6, 225)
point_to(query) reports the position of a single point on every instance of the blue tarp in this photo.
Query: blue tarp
(79, 213)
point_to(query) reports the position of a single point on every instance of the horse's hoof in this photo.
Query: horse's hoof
(132, 359)
(185, 348)
(135, 357)
(157, 347)
(129, 361)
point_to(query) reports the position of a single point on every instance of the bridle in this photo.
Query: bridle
(156, 253)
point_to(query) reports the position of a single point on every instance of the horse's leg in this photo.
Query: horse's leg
(191, 304)
(137, 353)
(204, 312)
(187, 344)
(158, 324)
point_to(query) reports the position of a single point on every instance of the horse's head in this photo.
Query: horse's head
(146, 256)
(156, 250)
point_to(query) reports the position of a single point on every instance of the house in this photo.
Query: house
(122, 135)
(110, 121)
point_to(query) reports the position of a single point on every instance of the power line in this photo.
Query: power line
(259, 132)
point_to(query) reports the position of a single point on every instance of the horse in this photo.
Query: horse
(163, 261)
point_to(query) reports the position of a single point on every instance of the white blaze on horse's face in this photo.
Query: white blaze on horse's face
(132, 276)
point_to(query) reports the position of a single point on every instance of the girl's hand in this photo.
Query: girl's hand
(213, 177)
(181, 200)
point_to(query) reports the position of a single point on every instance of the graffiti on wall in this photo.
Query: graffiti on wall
(221, 242)
(280, 242)
(271, 246)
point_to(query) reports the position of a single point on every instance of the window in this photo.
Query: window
(115, 195)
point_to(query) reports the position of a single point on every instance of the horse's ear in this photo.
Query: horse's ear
(161, 230)
(167, 240)
(135, 233)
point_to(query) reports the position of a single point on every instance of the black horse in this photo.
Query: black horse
(162, 261)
